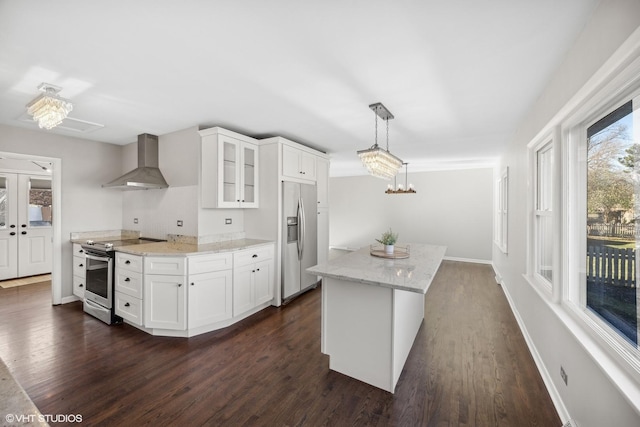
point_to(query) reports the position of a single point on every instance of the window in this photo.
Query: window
(609, 290)
(502, 188)
(541, 263)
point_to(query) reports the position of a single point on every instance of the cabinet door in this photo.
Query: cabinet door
(243, 295)
(210, 298)
(229, 156)
(249, 179)
(263, 281)
(308, 166)
(290, 162)
(165, 302)
(322, 179)
(323, 235)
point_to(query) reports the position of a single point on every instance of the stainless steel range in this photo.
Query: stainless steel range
(100, 265)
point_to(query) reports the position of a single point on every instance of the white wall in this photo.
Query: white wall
(451, 208)
(590, 398)
(158, 211)
(86, 165)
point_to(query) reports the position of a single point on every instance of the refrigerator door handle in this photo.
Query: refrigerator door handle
(302, 228)
(299, 227)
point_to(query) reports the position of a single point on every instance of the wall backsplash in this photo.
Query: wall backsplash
(158, 211)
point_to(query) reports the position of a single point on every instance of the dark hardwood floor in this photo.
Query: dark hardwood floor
(469, 366)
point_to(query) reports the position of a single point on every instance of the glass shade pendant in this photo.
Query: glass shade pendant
(378, 161)
(49, 109)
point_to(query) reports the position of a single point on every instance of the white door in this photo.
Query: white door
(34, 213)
(25, 237)
(8, 226)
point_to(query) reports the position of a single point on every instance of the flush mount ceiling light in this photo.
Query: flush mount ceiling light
(49, 109)
(378, 161)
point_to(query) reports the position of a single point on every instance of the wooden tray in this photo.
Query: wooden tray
(397, 254)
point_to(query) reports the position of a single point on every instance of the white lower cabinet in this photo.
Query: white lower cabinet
(165, 302)
(183, 296)
(128, 286)
(252, 278)
(210, 298)
(79, 274)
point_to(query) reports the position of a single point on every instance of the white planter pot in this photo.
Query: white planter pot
(388, 249)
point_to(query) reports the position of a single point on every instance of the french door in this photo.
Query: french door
(25, 225)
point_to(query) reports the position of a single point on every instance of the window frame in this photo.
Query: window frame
(575, 223)
(550, 289)
(501, 233)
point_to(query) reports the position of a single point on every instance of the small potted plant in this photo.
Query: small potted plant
(388, 239)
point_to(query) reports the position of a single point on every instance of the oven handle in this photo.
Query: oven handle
(98, 258)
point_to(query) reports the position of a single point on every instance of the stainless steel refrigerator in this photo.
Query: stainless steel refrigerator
(299, 240)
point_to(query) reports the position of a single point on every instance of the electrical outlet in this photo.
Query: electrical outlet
(227, 221)
(135, 220)
(179, 223)
(564, 376)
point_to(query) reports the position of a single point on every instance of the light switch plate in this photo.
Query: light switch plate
(227, 221)
(179, 223)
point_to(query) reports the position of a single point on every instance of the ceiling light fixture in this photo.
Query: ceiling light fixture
(402, 189)
(49, 109)
(378, 161)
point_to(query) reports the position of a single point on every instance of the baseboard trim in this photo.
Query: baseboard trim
(544, 373)
(471, 260)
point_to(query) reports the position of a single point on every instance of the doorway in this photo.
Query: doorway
(43, 220)
(25, 224)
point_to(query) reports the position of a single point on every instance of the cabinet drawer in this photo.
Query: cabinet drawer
(128, 282)
(129, 308)
(78, 286)
(209, 263)
(250, 256)
(77, 250)
(129, 262)
(79, 263)
(172, 266)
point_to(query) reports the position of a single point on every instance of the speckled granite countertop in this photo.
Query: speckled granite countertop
(16, 408)
(411, 274)
(173, 249)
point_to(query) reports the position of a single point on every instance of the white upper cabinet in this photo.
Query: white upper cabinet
(229, 170)
(298, 164)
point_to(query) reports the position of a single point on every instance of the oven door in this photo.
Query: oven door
(98, 283)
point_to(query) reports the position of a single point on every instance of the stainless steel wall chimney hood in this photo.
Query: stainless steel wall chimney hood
(147, 175)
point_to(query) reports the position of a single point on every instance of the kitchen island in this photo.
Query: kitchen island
(372, 309)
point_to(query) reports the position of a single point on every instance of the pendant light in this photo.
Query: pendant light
(407, 188)
(378, 161)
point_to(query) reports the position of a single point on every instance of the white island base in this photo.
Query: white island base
(368, 331)
(372, 309)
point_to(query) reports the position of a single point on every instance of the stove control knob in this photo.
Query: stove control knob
(90, 242)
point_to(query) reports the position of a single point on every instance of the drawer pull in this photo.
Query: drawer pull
(127, 262)
(127, 280)
(80, 285)
(254, 256)
(126, 304)
(80, 265)
(81, 251)
(192, 284)
(179, 284)
(257, 269)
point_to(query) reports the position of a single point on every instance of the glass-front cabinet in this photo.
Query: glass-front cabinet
(229, 170)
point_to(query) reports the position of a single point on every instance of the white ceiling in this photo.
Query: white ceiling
(458, 75)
